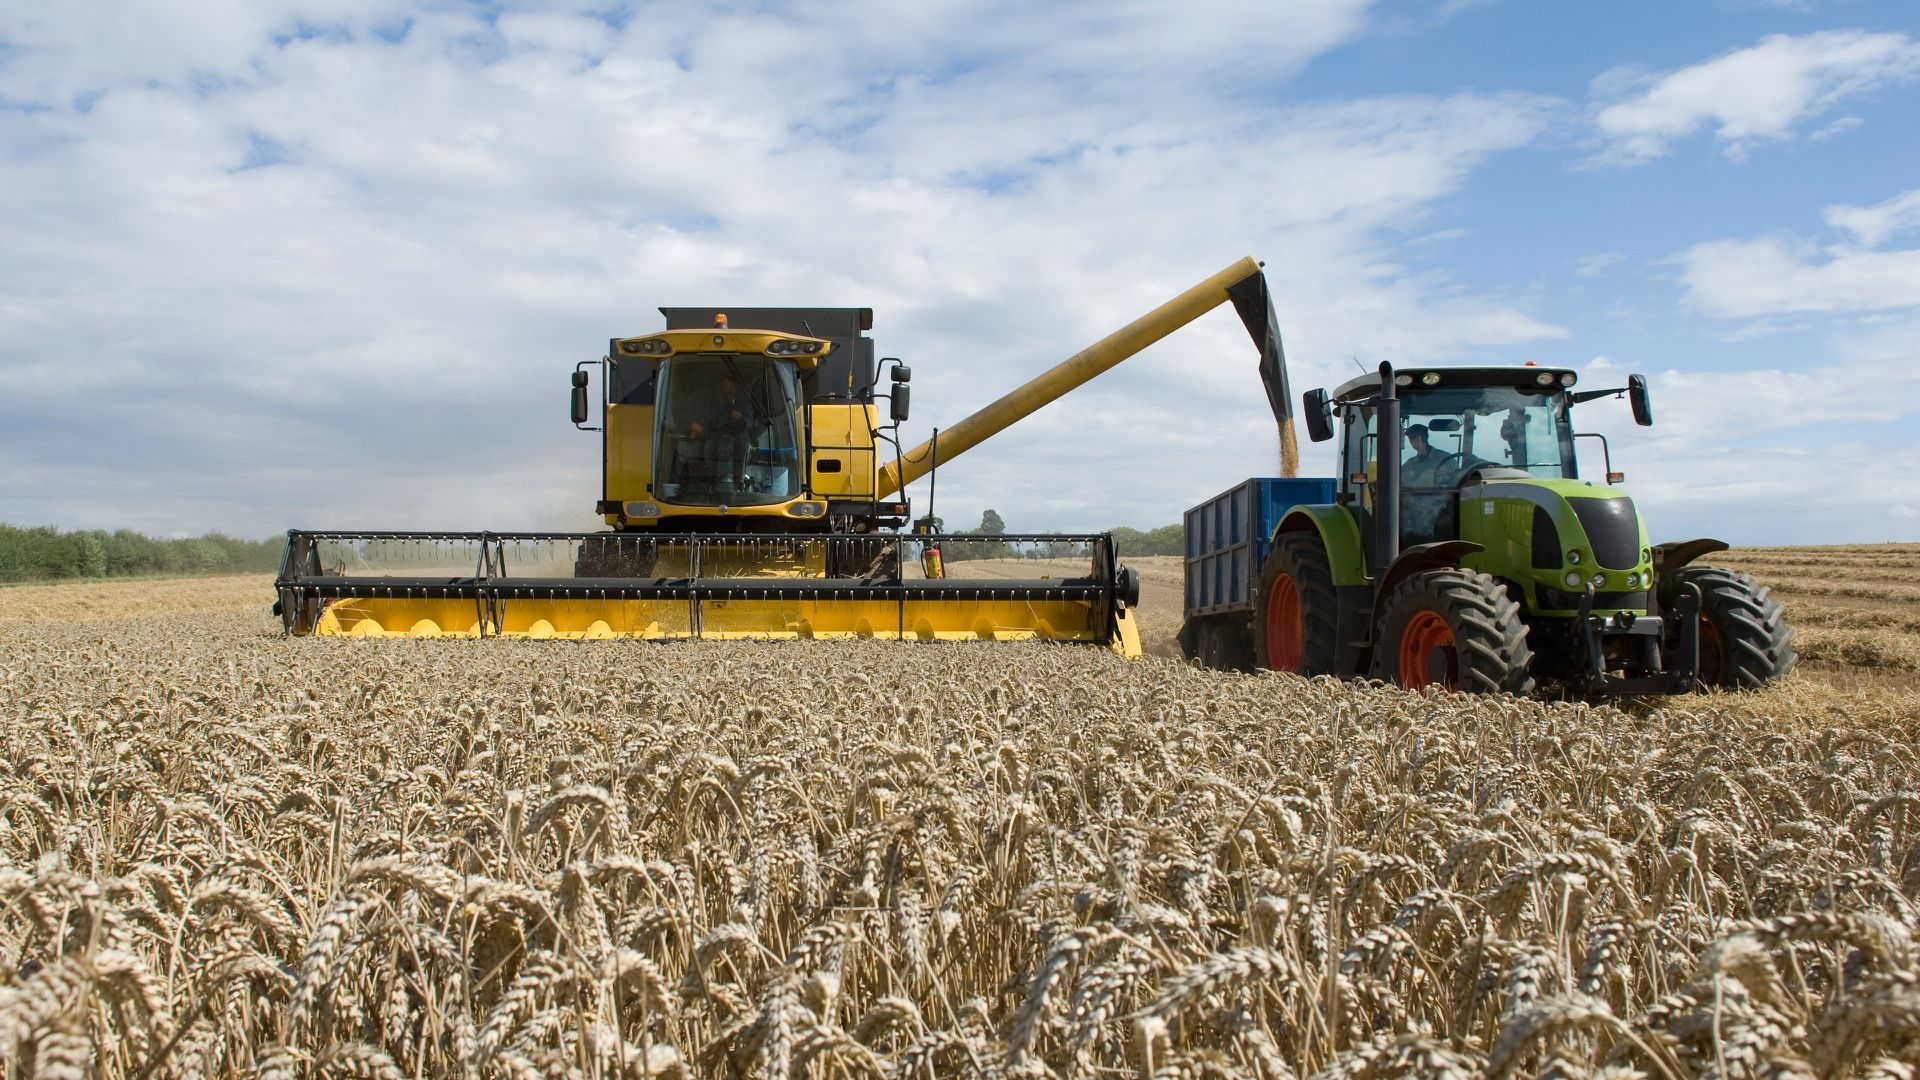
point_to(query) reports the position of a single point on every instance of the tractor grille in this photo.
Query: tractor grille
(1613, 528)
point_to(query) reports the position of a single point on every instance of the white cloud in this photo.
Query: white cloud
(338, 280)
(1773, 456)
(1597, 264)
(1769, 276)
(1757, 94)
(1872, 224)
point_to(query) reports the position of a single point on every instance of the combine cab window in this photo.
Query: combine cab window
(725, 431)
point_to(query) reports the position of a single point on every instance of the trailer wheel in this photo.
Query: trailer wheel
(1456, 629)
(1295, 624)
(1745, 642)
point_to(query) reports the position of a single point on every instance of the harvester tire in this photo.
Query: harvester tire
(1295, 610)
(1745, 641)
(1453, 628)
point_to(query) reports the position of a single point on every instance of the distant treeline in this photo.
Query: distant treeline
(45, 553)
(1165, 540)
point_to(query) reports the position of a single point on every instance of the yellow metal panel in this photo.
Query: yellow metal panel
(926, 620)
(629, 451)
(844, 433)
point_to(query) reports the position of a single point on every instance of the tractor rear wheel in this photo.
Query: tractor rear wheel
(1745, 641)
(1295, 625)
(1456, 629)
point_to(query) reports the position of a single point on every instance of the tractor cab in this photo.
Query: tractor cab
(1457, 425)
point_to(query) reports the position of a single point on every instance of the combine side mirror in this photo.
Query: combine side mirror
(1642, 404)
(902, 397)
(580, 397)
(1319, 415)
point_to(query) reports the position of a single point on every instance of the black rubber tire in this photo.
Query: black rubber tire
(1189, 639)
(1756, 644)
(1490, 640)
(1302, 556)
(1226, 645)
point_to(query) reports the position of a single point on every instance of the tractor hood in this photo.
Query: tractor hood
(1556, 537)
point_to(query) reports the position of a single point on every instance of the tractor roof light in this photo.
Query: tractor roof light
(1545, 378)
(1403, 380)
(1431, 378)
(1568, 378)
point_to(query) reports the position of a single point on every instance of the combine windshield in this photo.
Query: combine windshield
(1467, 428)
(725, 431)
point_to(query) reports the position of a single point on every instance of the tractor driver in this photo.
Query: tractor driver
(1427, 467)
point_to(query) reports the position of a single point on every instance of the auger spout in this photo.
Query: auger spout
(1076, 370)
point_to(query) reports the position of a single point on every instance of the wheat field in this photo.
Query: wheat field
(223, 853)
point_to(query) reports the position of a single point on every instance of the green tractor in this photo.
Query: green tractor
(1461, 549)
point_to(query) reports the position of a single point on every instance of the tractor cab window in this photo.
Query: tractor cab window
(724, 431)
(1451, 431)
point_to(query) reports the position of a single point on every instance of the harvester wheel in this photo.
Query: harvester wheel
(1745, 641)
(1456, 629)
(1294, 611)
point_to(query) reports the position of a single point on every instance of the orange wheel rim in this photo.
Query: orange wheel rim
(1283, 625)
(1428, 656)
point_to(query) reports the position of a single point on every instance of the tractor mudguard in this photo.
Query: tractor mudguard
(1681, 552)
(1413, 560)
(1338, 532)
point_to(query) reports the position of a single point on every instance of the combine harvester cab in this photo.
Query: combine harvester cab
(753, 489)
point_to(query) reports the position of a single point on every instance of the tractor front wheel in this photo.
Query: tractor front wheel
(1745, 642)
(1455, 629)
(1294, 610)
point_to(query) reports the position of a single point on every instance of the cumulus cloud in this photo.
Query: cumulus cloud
(1768, 276)
(328, 266)
(1871, 225)
(1763, 93)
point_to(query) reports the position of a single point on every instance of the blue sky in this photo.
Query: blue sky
(279, 263)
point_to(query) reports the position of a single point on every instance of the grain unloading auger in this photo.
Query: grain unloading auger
(753, 490)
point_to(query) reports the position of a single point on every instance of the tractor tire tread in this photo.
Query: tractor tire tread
(1304, 556)
(1753, 629)
(1490, 638)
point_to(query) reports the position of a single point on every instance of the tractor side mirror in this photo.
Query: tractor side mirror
(1319, 415)
(902, 397)
(580, 397)
(1642, 404)
(901, 372)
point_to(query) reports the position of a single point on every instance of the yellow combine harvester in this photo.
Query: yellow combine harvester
(754, 490)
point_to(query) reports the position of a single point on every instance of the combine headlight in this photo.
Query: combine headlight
(1573, 579)
(1573, 558)
(1431, 378)
(1568, 378)
(791, 347)
(642, 509)
(806, 509)
(646, 347)
(1545, 378)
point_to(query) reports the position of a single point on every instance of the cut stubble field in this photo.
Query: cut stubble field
(223, 852)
